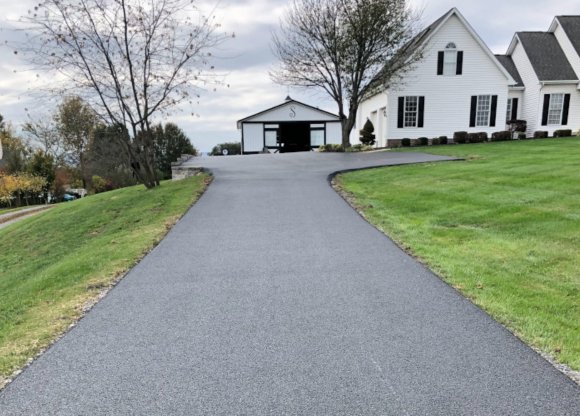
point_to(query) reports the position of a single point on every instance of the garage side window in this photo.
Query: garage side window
(317, 135)
(271, 135)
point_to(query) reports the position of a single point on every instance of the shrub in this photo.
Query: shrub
(359, 148)
(460, 137)
(331, 148)
(522, 136)
(563, 133)
(443, 140)
(406, 142)
(518, 125)
(366, 134)
(540, 134)
(476, 137)
(435, 141)
(423, 141)
(101, 184)
(500, 136)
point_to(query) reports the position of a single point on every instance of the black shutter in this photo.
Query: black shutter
(546, 109)
(401, 118)
(514, 109)
(473, 111)
(459, 63)
(440, 59)
(421, 119)
(493, 114)
(566, 109)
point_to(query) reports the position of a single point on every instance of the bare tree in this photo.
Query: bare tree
(42, 130)
(129, 59)
(347, 48)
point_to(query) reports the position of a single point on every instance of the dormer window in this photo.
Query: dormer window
(450, 61)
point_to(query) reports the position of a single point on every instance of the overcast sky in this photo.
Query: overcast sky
(247, 58)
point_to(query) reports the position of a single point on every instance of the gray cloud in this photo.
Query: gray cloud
(246, 59)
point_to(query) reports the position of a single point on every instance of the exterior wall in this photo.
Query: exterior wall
(574, 112)
(530, 107)
(253, 135)
(293, 111)
(447, 98)
(374, 109)
(568, 48)
(333, 133)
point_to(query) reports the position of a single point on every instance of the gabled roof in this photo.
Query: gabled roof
(546, 56)
(425, 35)
(571, 26)
(510, 65)
(288, 101)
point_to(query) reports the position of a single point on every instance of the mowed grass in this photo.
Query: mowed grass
(503, 227)
(52, 264)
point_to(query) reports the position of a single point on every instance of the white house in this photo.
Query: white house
(289, 127)
(459, 85)
(548, 65)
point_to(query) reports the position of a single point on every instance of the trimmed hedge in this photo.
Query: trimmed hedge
(334, 148)
(501, 136)
(477, 137)
(460, 137)
(423, 141)
(522, 136)
(406, 142)
(540, 134)
(435, 141)
(563, 133)
(443, 140)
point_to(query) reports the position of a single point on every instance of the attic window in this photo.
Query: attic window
(450, 60)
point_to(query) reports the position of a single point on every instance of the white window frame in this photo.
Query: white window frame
(556, 110)
(410, 115)
(450, 60)
(482, 107)
(508, 113)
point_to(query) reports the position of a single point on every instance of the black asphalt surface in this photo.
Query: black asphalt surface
(273, 297)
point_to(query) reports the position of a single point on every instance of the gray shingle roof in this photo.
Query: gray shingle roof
(510, 66)
(547, 57)
(571, 25)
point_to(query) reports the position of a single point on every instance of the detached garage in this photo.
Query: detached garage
(289, 127)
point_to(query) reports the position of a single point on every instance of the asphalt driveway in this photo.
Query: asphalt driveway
(272, 296)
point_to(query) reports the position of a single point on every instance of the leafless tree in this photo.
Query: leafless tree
(347, 48)
(130, 60)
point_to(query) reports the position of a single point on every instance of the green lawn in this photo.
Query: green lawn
(503, 227)
(53, 264)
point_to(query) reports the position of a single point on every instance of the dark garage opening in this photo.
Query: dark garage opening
(295, 137)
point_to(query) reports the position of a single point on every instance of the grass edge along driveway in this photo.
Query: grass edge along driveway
(53, 266)
(503, 228)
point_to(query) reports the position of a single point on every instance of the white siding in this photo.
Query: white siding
(573, 114)
(377, 104)
(568, 49)
(531, 106)
(333, 133)
(293, 112)
(447, 98)
(253, 137)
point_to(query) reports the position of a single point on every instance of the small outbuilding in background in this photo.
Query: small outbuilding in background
(289, 127)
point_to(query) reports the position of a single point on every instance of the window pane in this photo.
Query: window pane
(483, 110)
(317, 126)
(271, 126)
(411, 106)
(508, 115)
(271, 138)
(555, 110)
(450, 62)
(316, 137)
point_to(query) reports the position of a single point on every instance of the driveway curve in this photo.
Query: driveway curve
(272, 296)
